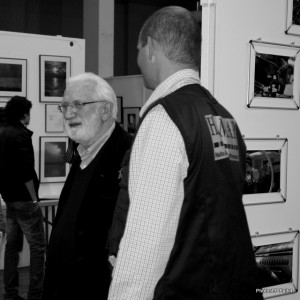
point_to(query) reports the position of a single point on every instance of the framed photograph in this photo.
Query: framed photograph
(293, 17)
(266, 171)
(54, 71)
(274, 70)
(277, 258)
(131, 118)
(54, 122)
(120, 109)
(13, 77)
(53, 167)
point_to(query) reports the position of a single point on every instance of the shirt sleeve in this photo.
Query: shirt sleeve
(158, 166)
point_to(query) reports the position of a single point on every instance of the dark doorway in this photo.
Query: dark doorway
(129, 18)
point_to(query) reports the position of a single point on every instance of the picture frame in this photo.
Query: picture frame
(54, 71)
(54, 122)
(266, 171)
(273, 70)
(277, 258)
(120, 109)
(13, 77)
(293, 17)
(131, 118)
(53, 167)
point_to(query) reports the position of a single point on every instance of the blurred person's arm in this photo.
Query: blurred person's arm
(30, 187)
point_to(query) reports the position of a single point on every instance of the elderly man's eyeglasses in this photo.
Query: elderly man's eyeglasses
(78, 105)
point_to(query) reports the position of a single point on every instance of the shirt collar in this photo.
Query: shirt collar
(88, 154)
(171, 84)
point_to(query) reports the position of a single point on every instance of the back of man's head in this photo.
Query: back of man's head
(16, 108)
(177, 32)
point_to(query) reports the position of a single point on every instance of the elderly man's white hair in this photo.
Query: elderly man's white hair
(100, 89)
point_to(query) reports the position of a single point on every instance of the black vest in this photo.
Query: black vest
(212, 257)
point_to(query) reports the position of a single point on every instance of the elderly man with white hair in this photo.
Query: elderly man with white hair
(77, 246)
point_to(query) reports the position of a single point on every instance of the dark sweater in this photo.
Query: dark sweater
(77, 243)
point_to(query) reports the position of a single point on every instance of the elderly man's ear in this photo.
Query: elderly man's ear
(106, 111)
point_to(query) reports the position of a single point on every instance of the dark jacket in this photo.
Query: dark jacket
(16, 162)
(77, 266)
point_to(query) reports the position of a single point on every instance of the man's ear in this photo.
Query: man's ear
(106, 111)
(26, 116)
(151, 49)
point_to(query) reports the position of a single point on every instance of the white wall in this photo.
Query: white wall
(30, 46)
(233, 25)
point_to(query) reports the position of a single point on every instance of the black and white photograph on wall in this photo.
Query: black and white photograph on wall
(266, 171)
(53, 167)
(275, 262)
(293, 17)
(273, 70)
(262, 172)
(54, 70)
(131, 118)
(13, 77)
(274, 76)
(296, 12)
(277, 257)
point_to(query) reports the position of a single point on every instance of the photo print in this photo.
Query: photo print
(53, 166)
(266, 171)
(277, 258)
(13, 77)
(54, 71)
(273, 74)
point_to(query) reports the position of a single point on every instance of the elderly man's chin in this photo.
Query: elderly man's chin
(77, 135)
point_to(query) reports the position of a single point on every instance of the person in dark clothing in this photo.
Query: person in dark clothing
(186, 234)
(76, 264)
(19, 188)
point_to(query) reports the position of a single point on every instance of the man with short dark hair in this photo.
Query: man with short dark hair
(186, 235)
(19, 189)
